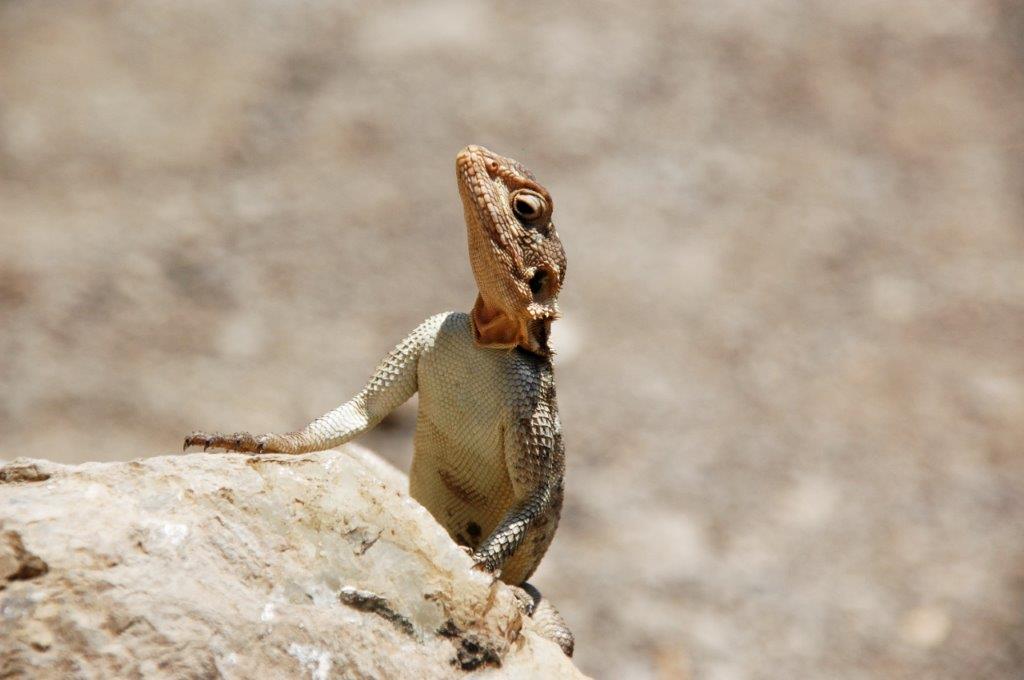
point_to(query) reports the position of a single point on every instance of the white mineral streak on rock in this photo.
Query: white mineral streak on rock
(232, 564)
(174, 533)
(317, 661)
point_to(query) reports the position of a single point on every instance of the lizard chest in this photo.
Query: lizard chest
(460, 470)
(464, 390)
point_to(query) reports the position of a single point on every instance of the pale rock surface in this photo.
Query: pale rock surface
(227, 565)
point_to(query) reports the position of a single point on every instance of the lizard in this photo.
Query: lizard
(488, 459)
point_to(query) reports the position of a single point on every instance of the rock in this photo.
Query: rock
(235, 566)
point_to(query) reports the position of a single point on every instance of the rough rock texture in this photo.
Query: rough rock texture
(232, 566)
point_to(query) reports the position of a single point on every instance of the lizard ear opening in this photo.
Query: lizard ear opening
(493, 327)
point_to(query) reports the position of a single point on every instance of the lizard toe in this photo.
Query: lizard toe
(197, 439)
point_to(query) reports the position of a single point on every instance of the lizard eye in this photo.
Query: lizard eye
(528, 206)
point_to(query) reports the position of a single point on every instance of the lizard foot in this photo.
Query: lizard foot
(480, 562)
(526, 601)
(550, 623)
(239, 441)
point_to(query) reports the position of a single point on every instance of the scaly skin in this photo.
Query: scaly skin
(489, 460)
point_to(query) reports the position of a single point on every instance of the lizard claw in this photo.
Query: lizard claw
(525, 600)
(239, 441)
(197, 439)
(480, 564)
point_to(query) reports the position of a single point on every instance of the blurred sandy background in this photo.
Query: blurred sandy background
(791, 373)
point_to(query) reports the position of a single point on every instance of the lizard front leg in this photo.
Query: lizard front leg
(535, 460)
(392, 384)
(506, 538)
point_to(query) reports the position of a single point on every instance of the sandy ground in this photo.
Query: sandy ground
(790, 367)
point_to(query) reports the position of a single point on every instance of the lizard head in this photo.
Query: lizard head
(517, 258)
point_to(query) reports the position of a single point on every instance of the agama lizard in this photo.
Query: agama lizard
(488, 457)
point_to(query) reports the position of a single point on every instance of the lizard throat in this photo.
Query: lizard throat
(496, 329)
(539, 333)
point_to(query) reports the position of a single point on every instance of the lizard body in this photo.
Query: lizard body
(488, 456)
